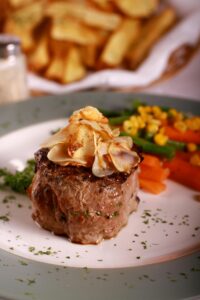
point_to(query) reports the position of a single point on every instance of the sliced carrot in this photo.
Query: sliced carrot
(153, 173)
(151, 160)
(151, 186)
(188, 136)
(184, 172)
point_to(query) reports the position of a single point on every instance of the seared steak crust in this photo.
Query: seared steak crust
(71, 201)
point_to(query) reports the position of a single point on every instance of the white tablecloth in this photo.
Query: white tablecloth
(186, 83)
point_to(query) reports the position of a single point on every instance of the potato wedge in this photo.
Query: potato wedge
(137, 8)
(55, 69)
(26, 37)
(72, 31)
(4, 13)
(73, 66)
(90, 53)
(66, 65)
(18, 3)
(29, 16)
(84, 13)
(119, 43)
(152, 31)
(59, 48)
(23, 21)
(40, 58)
(103, 4)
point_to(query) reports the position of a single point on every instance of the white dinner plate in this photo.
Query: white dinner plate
(163, 235)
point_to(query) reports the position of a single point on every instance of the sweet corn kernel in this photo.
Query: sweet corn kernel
(141, 122)
(180, 125)
(155, 121)
(191, 147)
(179, 116)
(152, 128)
(156, 110)
(160, 139)
(148, 118)
(163, 116)
(129, 127)
(195, 160)
(193, 123)
(172, 112)
(134, 121)
(141, 109)
(148, 109)
(134, 131)
(162, 130)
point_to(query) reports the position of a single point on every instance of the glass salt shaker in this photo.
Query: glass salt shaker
(13, 81)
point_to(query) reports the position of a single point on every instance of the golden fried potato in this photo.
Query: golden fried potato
(59, 48)
(23, 21)
(66, 65)
(84, 13)
(72, 31)
(25, 36)
(151, 33)
(40, 57)
(137, 8)
(119, 42)
(73, 66)
(89, 55)
(18, 3)
(4, 12)
(55, 69)
(29, 16)
(103, 4)
(63, 39)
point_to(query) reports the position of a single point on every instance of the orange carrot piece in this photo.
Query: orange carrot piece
(188, 136)
(184, 172)
(153, 173)
(151, 160)
(151, 186)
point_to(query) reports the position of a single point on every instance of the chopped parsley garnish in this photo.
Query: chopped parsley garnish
(4, 218)
(20, 180)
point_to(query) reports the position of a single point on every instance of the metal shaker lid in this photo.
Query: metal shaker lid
(10, 45)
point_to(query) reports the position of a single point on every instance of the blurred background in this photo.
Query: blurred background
(53, 47)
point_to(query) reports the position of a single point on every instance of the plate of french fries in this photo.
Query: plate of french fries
(67, 41)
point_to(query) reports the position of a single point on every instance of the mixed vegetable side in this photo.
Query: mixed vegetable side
(169, 141)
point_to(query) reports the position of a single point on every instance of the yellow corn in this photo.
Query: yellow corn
(141, 122)
(180, 125)
(129, 127)
(134, 121)
(141, 110)
(191, 147)
(179, 116)
(163, 116)
(193, 123)
(195, 160)
(152, 128)
(160, 139)
(148, 109)
(173, 112)
(156, 110)
(162, 130)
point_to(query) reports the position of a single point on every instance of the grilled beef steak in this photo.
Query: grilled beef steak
(72, 201)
